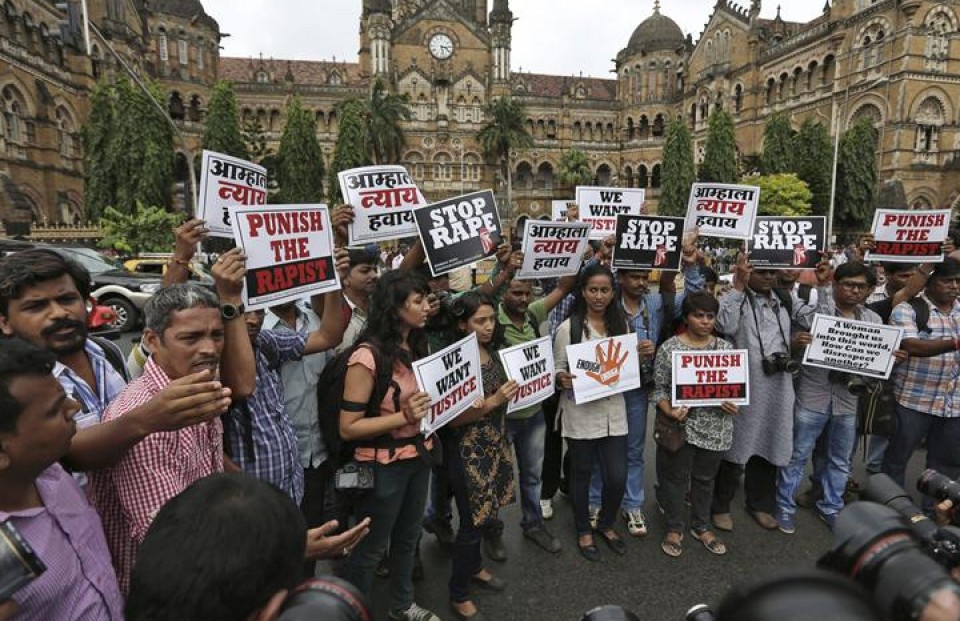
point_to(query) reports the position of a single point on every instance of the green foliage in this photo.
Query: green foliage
(575, 169)
(222, 129)
(720, 159)
(99, 184)
(778, 151)
(856, 177)
(351, 150)
(144, 229)
(813, 163)
(255, 139)
(299, 160)
(679, 171)
(504, 130)
(782, 194)
(384, 112)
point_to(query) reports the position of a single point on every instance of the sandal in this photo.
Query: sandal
(672, 544)
(710, 541)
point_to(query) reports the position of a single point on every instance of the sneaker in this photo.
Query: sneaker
(546, 508)
(809, 497)
(493, 545)
(542, 537)
(413, 613)
(830, 519)
(594, 517)
(785, 523)
(636, 522)
(441, 529)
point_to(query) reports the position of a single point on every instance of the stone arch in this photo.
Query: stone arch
(811, 70)
(627, 176)
(870, 39)
(545, 177)
(655, 176)
(604, 174)
(643, 176)
(414, 161)
(17, 114)
(67, 129)
(175, 106)
(738, 98)
(922, 198)
(523, 175)
(659, 125)
(771, 89)
(471, 166)
(939, 23)
(644, 129)
(941, 99)
(869, 108)
(442, 169)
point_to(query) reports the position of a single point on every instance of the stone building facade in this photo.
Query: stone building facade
(896, 62)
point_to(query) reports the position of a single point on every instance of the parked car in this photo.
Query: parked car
(125, 293)
(157, 266)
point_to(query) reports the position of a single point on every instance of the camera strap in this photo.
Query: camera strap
(756, 322)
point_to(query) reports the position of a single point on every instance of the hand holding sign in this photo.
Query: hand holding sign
(228, 273)
(341, 257)
(416, 407)
(507, 392)
(188, 235)
(610, 362)
(340, 220)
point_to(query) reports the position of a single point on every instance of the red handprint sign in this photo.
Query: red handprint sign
(610, 362)
(602, 368)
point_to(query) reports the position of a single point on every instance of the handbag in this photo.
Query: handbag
(669, 434)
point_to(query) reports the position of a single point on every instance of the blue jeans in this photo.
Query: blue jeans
(395, 507)
(943, 438)
(876, 447)
(527, 437)
(841, 434)
(634, 496)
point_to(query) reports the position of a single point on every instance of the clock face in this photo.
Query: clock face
(441, 46)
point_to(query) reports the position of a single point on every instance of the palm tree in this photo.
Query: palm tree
(574, 169)
(384, 113)
(503, 133)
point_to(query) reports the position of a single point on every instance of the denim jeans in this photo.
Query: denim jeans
(841, 435)
(395, 508)
(943, 438)
(611, 454)
(527, 437)
(634, 496)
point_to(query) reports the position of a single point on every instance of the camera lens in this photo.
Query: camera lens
(939, 486)
(857, 387)
(609, 613)
(700, 612)
(328, 598)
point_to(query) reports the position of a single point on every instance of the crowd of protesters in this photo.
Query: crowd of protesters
(127, 476)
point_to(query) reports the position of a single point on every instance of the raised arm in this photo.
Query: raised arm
(188, 236)
(237, 366)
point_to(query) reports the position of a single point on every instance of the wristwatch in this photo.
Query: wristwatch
(231, 311)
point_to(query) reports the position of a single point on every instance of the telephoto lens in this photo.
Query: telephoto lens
(939, 486)
(609, 613)
(325, 598)
(700, 612)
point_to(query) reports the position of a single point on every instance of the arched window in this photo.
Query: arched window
(771, 85)
(415, 165)
(644, 127)
(441, 167)
(544, 179)
(738, 98)
(471, 167)
(655, 176)
(162, 47)
(631, 130)
(175, 107)
(939, 24)
(524, 176)
(929, 118)
(14, 116)
(643, 177)
(867, 111)
(195, 113)
(628, 176)
(604, 175)
(658, 125)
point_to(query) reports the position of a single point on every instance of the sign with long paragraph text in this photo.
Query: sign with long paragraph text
(851, 346)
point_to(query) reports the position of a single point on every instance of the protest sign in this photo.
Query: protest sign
(459, 231)
(909, 236)
(383, 199)
(531, 365)
(604, 367)
(289, 252)
(452, 378)
(224, 182)
(788, 243)
(710, 377)
(558, 210)
(648, 242)
(857, 347)
(722, 209)
(599, 207)
(552, 249)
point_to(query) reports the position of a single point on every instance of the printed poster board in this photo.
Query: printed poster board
(648, 242)
(722, 210)
(857, 347)
(914, 236)
(383, 199)
(552, 249)
(226, 181)
(531, 365)
(604, 367)
(788, 243)
(599, 207)
(452, 378)
(459, 231)
(710, 378)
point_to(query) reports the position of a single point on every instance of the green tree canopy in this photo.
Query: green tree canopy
(351, 149)
(778, 151)
(856, 177)
(574, 169)
(383, 113)
(720, 157)
(100, 185)
(679, 171)
(299, 160)
(143, 229)
(782, 194)
(222, 128)
(813, 162)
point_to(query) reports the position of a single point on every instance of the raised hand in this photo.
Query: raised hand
(610, 361)
(186, 401)
(188, 235)
(228, 274)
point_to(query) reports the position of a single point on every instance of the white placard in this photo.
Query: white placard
(911, 236)
(383, 198)
(857, 347)
(452, 378)
(531, 365)
(710, 377)
(604, 367)
(552, 249)
(599, 207)
(558, 209)
(723, 210)
(226, 181)
(290, 252)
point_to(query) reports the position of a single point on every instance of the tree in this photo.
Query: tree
(720, 159)
(351, 149)
(574, 169)
(299, 160)
(99, 183)
(222, 129)
(143, 229)
(782, 194)
(679, 171)
(384, 113)
(813, 163)
(778, 152)
(255, 140)
(504, 132)
(856, 177)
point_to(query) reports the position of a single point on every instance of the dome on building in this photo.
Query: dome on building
(657, 32)
(188, 9)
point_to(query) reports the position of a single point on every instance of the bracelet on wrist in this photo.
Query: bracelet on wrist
(179, 261)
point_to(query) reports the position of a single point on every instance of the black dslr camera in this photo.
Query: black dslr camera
(856, 384)
(327, 598)
(780, 362)
(354, 476)
(19, 564)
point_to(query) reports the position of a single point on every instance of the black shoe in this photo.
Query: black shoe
(493, 546)
(441, 529)
(614, 541)
(590, 552)
(542, 537)
(382, 570)
(490, 584)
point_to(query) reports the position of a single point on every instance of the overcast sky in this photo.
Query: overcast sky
(562, 37)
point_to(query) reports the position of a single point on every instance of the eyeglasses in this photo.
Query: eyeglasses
(853, 286)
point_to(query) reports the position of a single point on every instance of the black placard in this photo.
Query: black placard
(782, 242)
(459, 231)
(648, 242)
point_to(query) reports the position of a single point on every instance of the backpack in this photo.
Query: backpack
(113, 355)
(921, 311)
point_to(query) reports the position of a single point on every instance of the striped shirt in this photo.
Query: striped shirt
(159, 467)
(928, 385)
(93, 400)
(66, 534)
